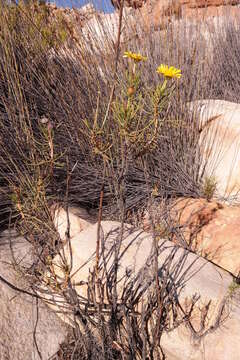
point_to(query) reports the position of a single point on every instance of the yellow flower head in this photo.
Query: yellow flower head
(169, 72)
(135, 57)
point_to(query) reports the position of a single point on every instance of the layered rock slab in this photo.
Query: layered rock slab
(193, 276)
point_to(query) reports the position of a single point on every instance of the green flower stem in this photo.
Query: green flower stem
(164, 85)
(134, 68)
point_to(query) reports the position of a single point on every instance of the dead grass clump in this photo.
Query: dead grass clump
(69, 90)
(225, 64)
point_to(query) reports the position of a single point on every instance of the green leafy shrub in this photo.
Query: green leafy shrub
(29, 20)
(28, 34)
(209, 187)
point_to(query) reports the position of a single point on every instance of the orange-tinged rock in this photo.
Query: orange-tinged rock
(212, 230)
(205, 3)
(189, 3)
(159, 14)
(135, 4)
(221, 239)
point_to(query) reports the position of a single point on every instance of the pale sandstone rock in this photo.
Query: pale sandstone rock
(219, 124)
(221, 344)
(18, 312)
(79, 220)
(102, 29)
(202, 278)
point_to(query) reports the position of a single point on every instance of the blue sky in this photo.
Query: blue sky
(104, 5)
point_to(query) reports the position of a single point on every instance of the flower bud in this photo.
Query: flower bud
(131, 91)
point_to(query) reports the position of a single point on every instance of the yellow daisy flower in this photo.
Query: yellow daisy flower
(169, 72)
(135, 57)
